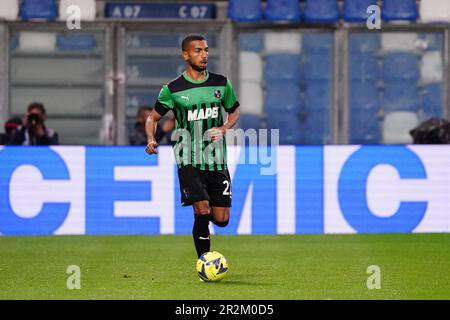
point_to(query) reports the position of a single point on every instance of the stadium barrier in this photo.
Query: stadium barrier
(312, 190)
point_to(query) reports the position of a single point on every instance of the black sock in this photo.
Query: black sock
(200, 232)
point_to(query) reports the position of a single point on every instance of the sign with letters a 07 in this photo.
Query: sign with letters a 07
(160, 10)
(287, 190)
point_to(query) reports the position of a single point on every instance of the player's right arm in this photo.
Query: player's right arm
(163, 104)
(150, 129)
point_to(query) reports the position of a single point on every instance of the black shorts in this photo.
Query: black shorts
(197, 185)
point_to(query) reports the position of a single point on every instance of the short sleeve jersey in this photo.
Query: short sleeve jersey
(197, 106)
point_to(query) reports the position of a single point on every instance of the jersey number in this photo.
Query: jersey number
(227, 191)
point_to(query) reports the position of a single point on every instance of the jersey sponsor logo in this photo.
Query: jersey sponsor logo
(194, 115)
(217, 94)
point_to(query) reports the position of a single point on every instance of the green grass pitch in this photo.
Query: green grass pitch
(413, 266)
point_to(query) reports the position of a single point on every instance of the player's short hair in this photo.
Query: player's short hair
(37, 105)
(188, 39)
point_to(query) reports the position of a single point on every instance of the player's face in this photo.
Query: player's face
(197, 55)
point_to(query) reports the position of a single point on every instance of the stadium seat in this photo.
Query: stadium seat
(318, 41)
(432, 100)
(321, 11)
(250, 121)
(432, 67)
(290, 127)
(435, 10)
(317, 95)
(251, 41)
(364, 127)
(394, 10)
(401, 95)
(282, 67)
(397, 125)
(76, 41)
(431, 41)
(283, 10)
(245, 10)
(251, 98)
(250, 66)
(9, 9)
(317, 65)
(364, 67)
(396, 41)
(284, 98)
(38, 10)
(37, 41)
(356, 10)
(364, 42)
(400, 66)
(363, 95)
(283, 42)
(87, 9)
(317, 127)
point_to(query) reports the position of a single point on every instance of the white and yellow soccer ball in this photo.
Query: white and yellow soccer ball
(212, 266)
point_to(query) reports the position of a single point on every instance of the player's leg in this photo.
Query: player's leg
(220, 216)
(218, 186)
(200, 231)
(193, 192)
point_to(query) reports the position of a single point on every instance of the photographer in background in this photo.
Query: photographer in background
(34, 132)
(138, 136)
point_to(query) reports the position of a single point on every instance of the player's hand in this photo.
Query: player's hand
(151, 147)
(216, 134)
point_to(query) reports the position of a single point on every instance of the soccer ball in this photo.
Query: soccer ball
(212, 266)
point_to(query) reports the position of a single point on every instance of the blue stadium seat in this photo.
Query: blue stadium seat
(321, 11)
(283, 97)
(245, 10)
(317, 41)
(14, 41)
(364, 128)
(76, 41)
(356, 10)
(38, 9)
(282, 67)
(364, 42)
(401, 66)
(317, 66)
(251, 41)
(432, 41)
(283, 10)
(399, 10)
(289, 126)
(317, 95)
(316, 126)
(401, 96)
(250, 121)
(363, 95)
(432, 100)
(364, 67)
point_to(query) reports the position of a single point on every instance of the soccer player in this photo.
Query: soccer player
(196, 98)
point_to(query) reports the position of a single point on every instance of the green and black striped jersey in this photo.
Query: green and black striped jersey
(197, 106)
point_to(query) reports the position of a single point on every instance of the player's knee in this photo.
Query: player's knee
(221, 224)
(201, 208)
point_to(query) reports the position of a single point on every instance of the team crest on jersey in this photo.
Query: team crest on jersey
(217, 94)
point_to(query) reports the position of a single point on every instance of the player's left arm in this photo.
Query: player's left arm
(231, 105)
